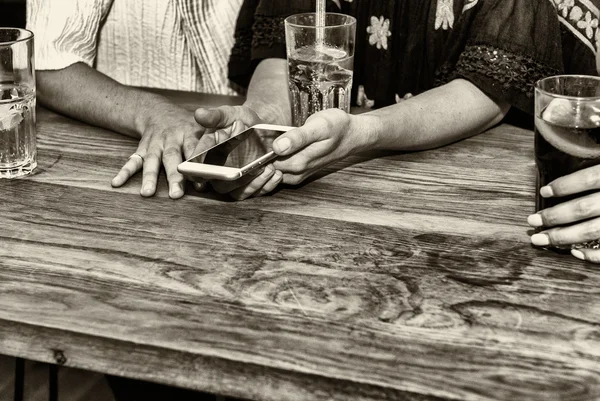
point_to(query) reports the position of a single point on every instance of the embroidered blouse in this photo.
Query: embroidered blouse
(405, 47)
(170, 44)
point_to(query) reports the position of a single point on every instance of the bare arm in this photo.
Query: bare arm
(168, 132)
(434, 118)
(82, 92)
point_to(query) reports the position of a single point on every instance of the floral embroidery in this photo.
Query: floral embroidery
(268, 31)
(379, 30)
(576, 13)
(581, 18)
(403, 98)
(564, 6)
(469, 4)
(444, 14)
(589, 24)
(510, 71)
(362, 100)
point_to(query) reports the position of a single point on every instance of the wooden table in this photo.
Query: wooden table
(391, 277)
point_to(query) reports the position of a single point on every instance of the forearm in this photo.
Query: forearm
(434, 118)
(268, 92)
(81, 92)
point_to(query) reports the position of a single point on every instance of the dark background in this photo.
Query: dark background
(12, 13)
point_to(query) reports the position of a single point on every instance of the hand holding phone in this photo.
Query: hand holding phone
(229, 161)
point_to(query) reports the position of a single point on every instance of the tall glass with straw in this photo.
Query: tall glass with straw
(320, 54)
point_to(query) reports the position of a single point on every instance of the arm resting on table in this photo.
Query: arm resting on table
(434, 118)
(82, 92)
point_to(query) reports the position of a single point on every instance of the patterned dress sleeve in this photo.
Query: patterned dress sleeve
(510, 45)
(260, 33)
(65, 35)
(580, 34)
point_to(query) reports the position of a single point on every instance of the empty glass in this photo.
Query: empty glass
(17, 103)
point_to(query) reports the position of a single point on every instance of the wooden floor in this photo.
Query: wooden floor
(74, 384)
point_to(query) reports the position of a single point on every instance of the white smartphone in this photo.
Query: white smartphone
(219, 163)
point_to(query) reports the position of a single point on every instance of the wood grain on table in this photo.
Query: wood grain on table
(388, 277)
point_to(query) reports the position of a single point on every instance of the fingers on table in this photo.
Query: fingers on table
(579, 181)
(266, 178)
(171, 158)
(132, 166)
(271, 184)
(150, 177)
(568, 212)
(575, 234)
(591, 255)
(246, 186)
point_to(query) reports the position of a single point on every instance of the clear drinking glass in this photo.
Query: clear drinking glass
(567, 129)
(320, 63)
(17, 103)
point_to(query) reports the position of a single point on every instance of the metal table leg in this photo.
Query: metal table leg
(52, 382)
(19, 379)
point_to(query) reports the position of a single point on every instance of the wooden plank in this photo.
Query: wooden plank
(390, 276)
(361, 303)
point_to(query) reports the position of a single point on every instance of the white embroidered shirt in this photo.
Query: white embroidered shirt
(138, 42)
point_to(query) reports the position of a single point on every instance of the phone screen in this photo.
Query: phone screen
(238, 150)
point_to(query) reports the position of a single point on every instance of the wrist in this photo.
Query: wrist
(270, 113)
(366, 129)
(153, 109)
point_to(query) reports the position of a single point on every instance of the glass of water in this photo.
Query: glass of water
(320, 63)
(17, 103)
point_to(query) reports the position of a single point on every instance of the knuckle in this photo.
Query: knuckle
(226, 111)
(549, 218)
(149, 175)
(302, 135)
(171, 151)
(558, 237)
(294, 179)
(584, 208)
(269, 171)
(297, 166)
(591, 230)
(128, 171)
(174, 176)
(591, 255)
(151, 157)
(590, 179)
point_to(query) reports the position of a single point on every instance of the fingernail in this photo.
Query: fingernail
(176, 191)
(281, 145)
(578, 254)
(546, 191)
(540, 239)
(147, 189)
(535, 220)
(114, 182)
(269, 169)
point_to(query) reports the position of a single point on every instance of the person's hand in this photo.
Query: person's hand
(326, 137)
(579, 218)
(231, 120)
(168, 136)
